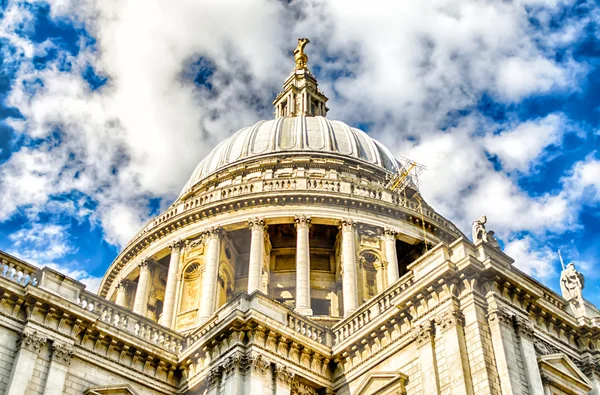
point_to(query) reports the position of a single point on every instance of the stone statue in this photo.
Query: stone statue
(571, 283)
(299, 55)
(478, 229)
(492, 240)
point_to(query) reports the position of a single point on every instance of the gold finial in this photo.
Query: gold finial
(299, 55)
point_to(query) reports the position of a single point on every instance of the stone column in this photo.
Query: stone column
(303, 266)
(501, 330)
(59, 365)
(389, 240)
(29, 344)
(140, 305)
(424, 336)
(166, 319)
(525, 329)
(451, 325)
(122, 290)
(211, 273)
(257, 250)
(350, 287)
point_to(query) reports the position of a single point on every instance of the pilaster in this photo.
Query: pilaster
(59, 366)
(424, 338)
(501, 330)
(259, 376)
(451, 324)
(283, 380)
(525, 329)
(29, 344)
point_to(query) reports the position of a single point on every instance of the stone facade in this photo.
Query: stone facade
(292, 263)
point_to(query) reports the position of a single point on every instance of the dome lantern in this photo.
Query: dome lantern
(300, 95)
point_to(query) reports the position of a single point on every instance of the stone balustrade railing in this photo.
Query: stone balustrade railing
(17, 271)
(376, 306)
(307, 328)
(126, 320)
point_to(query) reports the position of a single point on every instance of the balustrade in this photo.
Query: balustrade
(127, 321)
(18, 272)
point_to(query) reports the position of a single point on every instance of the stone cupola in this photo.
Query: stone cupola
(300, 95)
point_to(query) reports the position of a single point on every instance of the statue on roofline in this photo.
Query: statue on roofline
(571, 281)
(478, 229)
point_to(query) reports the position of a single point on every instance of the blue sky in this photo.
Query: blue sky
(107, 107)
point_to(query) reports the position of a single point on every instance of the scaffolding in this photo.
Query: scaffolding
(406, 182)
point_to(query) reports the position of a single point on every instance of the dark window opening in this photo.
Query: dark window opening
(320, 306)
(407, 254)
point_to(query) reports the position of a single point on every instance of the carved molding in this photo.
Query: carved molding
(62, 353)
(31, 340)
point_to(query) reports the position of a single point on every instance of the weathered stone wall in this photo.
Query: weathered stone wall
(8, 347)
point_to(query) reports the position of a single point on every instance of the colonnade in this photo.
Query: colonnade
(257, 250)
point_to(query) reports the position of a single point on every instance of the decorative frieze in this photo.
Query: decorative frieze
(31, 340)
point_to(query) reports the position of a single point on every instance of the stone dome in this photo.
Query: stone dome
(291, 135)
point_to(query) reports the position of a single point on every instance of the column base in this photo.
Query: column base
(304, 311)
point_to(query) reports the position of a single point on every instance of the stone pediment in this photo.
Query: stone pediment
(124, 389)
(382, 383)
(562, 373)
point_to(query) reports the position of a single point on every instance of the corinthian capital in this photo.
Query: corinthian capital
(423, 334)
(62, 353)
(302, 220)
(524, 327)
(348, 225)
(124, 285)
(31, 340)
(216, 232)
(390, 233)
(256, 223)
(176, 246)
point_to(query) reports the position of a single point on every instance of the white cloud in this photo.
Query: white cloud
(44, 244)
(407, 67)
(532, 258)
(584, 180)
